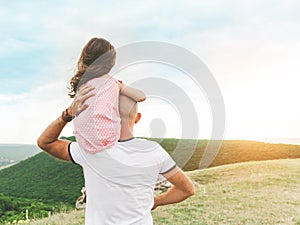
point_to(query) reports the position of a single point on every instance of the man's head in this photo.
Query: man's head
(128, 110)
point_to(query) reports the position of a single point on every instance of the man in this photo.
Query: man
(119, 180)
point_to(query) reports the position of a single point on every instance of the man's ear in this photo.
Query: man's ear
(138, 117)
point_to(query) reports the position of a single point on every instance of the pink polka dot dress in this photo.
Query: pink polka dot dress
(98, 127)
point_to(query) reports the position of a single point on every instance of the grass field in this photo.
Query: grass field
(254, 193)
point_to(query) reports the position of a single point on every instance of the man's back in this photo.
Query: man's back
(120, 180)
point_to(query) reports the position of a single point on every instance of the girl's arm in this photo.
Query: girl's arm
(135, 94)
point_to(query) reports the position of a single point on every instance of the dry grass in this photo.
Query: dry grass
(266, 192)
(70, 218)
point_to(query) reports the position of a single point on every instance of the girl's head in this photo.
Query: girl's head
(96, 59)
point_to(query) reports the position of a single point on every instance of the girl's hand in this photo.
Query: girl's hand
(121, 85)
(135, 94)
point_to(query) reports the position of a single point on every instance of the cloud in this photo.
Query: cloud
(24, 117)
(252, 48)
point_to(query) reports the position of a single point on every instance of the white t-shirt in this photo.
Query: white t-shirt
(120, 181)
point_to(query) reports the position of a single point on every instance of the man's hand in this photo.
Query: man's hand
(48, 141)
(78, 105)
(154, 206)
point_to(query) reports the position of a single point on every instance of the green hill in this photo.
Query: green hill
(265, 192)
(231, 151)
(44, 178)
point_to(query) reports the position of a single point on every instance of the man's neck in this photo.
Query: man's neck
(126, 131)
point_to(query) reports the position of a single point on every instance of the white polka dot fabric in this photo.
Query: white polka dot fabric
(98, 127)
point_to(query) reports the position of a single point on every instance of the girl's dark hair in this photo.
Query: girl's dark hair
(96, 59)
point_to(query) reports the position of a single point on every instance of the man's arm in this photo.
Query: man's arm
(48, 141)
(182, 189)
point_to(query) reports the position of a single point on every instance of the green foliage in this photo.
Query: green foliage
(12, 208)
(44, 178)
(71, 138)
(39, 184)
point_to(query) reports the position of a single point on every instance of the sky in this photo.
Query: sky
(250, 47)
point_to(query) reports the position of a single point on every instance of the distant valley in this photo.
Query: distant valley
(13, 153)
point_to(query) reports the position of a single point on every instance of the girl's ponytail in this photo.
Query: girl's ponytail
(96, 59)
(74, 82)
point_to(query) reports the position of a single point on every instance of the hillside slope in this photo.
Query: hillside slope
(265, 192)
(43, 177)
(233, 151)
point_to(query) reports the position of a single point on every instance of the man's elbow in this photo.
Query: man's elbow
(41, 144)
(191, 190)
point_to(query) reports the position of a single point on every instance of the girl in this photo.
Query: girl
(98, 127)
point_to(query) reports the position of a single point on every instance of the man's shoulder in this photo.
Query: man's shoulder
(144, 140)
(145, 144)
(140, 145)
